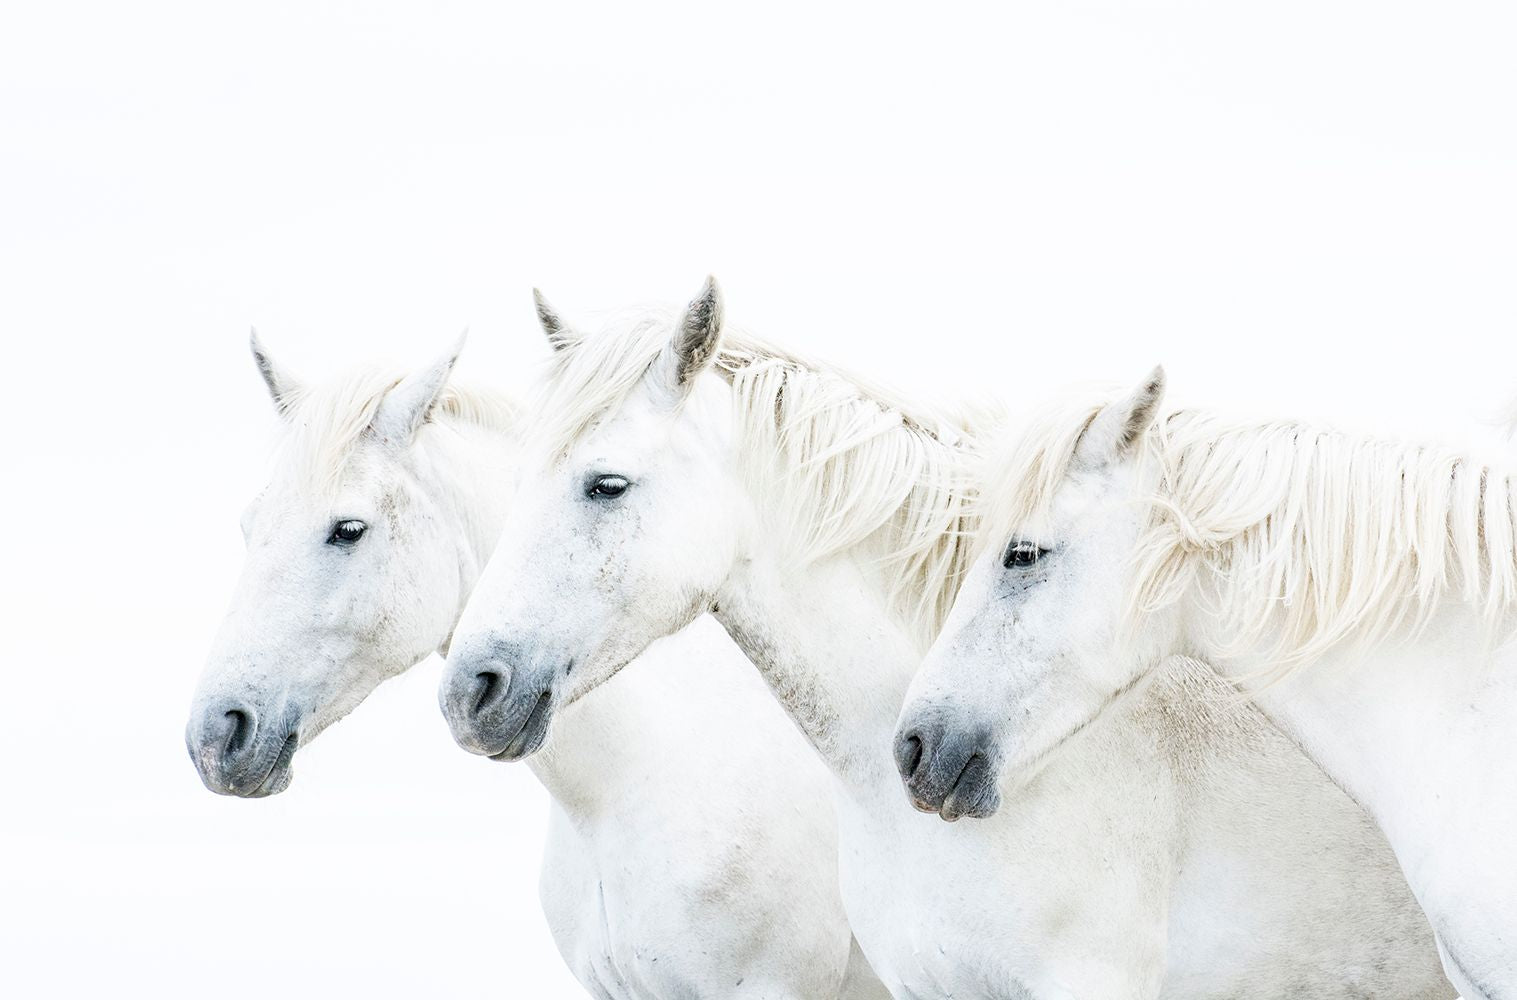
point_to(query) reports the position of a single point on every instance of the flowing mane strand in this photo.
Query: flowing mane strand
(327, 420)
(839, 462)
(1311, 539)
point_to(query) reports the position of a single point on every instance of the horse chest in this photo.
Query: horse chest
(919, 946)
(619, 941)
(1000, 908)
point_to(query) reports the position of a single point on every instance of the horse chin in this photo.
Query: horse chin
(278, 780)
(978, 800)
(275, 779)
(533, 733)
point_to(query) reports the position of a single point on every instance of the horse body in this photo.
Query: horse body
(1411, 731)
(666, 874)
(1120, 869)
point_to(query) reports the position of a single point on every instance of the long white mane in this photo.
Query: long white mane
(842, 462)
(326, 421)
(1309, 538)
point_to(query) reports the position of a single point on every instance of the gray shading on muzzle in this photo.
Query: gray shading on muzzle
(239, 751)
(948, 770)
(498, 698)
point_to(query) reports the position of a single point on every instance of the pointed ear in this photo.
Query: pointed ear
(406, 407)
(694, 345)
(1116, 431)
(283, 387)
(560, 336)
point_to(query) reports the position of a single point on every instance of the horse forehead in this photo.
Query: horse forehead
(367, 472)
(633, 430)
(1083, 491)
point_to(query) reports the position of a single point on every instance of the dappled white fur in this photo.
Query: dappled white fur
(1359, 589)
(667, 873)
(1178, 849)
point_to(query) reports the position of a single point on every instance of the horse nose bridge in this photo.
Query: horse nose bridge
(939, 684)
(248, 656)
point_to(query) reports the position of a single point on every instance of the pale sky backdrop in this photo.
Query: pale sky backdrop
(1299, 207)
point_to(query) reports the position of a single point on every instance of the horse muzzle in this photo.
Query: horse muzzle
(239, 752)
(498, 703)
(948, 770)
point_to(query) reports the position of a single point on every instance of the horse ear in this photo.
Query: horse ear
(560, 336)
(1116, 430)
(407, 406)
(694, 345)
(283, 388)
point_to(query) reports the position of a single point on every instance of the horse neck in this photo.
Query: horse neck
(587, 748)
(686, 705)
(826, 634)
(831, 650)
(1376, 720)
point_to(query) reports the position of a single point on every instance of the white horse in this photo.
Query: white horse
(1360, 589)
(665, 874)
(1183, 849)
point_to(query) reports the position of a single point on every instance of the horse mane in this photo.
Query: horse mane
(327, 420)
(1309, 539)
(839, 462)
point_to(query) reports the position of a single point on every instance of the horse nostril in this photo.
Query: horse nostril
(908, 755)
(491, 688)
(239, 732)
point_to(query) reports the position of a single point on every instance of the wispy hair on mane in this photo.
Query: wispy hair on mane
(1309, 539)
(842, 463)
(849, 465)
(326, 421)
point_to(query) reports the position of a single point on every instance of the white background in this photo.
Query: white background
(1306, 208)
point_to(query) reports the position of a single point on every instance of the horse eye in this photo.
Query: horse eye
(346, 532)
(1020, 555)
(608, 486)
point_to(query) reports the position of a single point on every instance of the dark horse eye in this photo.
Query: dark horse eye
(346, 532)
(1023, 554)
(608, 486)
